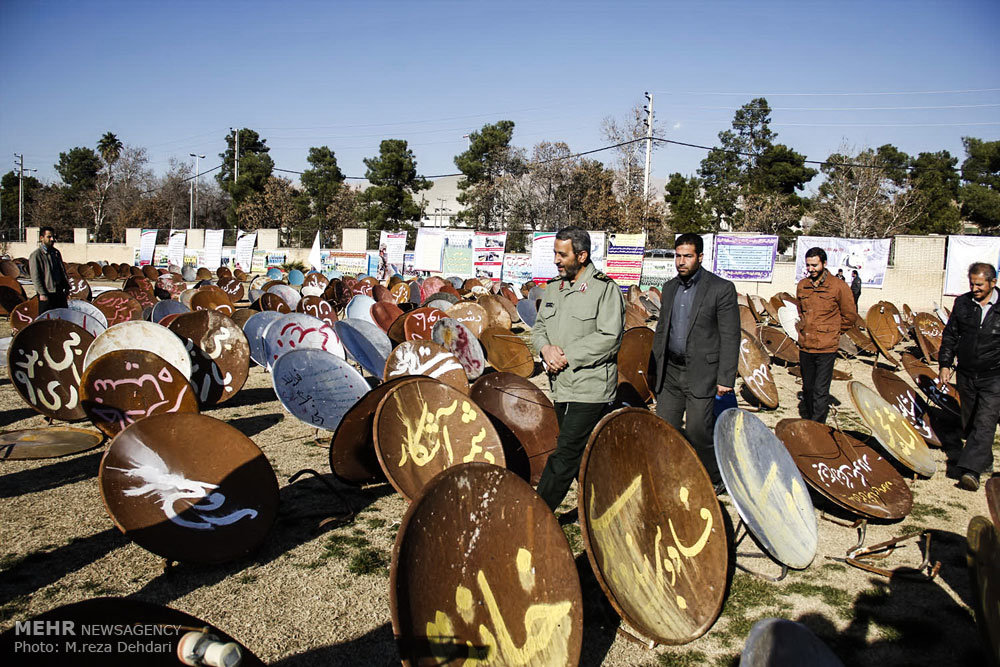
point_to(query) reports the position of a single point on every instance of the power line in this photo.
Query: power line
(870, 93)
(906, 108)
(183, 180)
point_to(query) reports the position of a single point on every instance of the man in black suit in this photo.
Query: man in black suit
(972, 336)
(696, 348)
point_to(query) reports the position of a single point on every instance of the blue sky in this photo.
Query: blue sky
(174, 76)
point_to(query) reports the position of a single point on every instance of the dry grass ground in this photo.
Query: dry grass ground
(321, 597)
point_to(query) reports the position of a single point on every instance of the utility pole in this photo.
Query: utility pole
(236, 154)
(191, 207)
(197, 179)
(20, 194)
(649, 143)
(441, 210)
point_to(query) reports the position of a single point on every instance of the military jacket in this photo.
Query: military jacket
(586, 319)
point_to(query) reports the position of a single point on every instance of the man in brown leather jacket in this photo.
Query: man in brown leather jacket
(827, 310)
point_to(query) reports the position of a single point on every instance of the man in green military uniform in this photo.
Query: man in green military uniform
(577, 333)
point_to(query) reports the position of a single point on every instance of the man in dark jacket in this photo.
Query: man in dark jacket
(855, 287)
(47, 273)
(696, 348)
(827, 310)
(973, 336)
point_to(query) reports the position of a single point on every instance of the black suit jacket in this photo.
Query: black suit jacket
(713, 336)
(975, 343)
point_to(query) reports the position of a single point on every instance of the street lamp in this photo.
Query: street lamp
(194, 189)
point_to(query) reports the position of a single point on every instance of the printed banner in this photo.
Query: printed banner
(245, 243)
(175, 248)
(457, 257)
(408, 270)
(542, 252)
(963, 251)
(391, 248)
(599, 250)
(275, 259)
(259, 262)
(428, 249)
(348, 263)
(657, 271)
(517, 269)
(624, 263)
(745, 257)
(213, 248)
(869, 257)
(490, 248)
(147, 246)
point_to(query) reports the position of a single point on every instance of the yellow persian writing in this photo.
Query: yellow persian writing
(428, 427)
(872, 496)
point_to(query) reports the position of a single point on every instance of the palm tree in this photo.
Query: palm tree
(110, 148)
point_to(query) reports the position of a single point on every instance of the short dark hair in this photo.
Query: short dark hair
(854, 272)
(983, 269)
(690, 238)
(578, 237)
(46, 228)
(816, 251)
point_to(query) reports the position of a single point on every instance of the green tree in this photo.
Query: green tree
(78, 168)
(485, 164)
(388, 202)
(9, 202)
(278, 204)
(687, 209)
(980, 192)
(323, 180)
(110, 149)
(936, 178)
(590, 196)
(255, 168)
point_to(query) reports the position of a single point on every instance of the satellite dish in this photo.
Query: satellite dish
(788, 316)
(895, 434)
(508, 352)
(316, 387)
(419, 323)
(118, 307)
(456, 338)
(295, 331)
(47, 443)
(219, 353)
(141, 336)
(754, 366)
(253, 329)
(471, 315)
(352, 448)
(776, 642)
(635, 361)
(898, 393)
(366, 343)
(45, 362)
(425, 357)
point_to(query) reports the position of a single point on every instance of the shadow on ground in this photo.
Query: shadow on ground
(67, 471)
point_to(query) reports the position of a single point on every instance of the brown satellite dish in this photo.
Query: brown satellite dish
(895, 434)
(109, 272)
(271, 301)
(882, 348)
(926, 379)
(24, 314)
(318, 308)
(905, 398)
(150, 272)
(241, 315)
(203, 274)
(171, 283)
(881, 326)
(419, 323)
(509, 305)
(188, 487)
(214, 300)
(861, 339)
(635, 316)
(635, 360)
(145, 299)
(400, 292)
(928, 330)
(137, 282)
(778, 344)
(11, 294)
(316, 280)
(219, 351)
(496, 314)
(845, 471)
(384, 314)
(233, 289)
(47, 443)
(524, 418)
(653, 527)
(125, 386)
(425, 357)
(118, 307)
(508, 352)
(395, 331)
(85, 271)
(223, 272)
(78, 288)
(771, 309)
(754, 366)
(747, 320)
(983, 560)
(481, 571)
(382, 293)
(352, 448)
(9, 269)
(423, 426)
(240, 275)
(45, 362)
(472, 315)
(897, 320)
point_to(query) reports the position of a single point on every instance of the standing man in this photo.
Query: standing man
(827, 310)
(973, 335)
(47, 273)
(696, 348)
(577, 333)
(840, 273)
(855, 287)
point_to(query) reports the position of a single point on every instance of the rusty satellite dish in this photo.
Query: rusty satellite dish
(635, 316)
(45, 362)
(9, 269)
(766, 487)
(635, 360)
(219, 352)
(287, 293)
(296, 331)
(776, 642)
(118, 307)
(481, 571)
(861, 339)
(316, 387)
(496, 313)
(78, 288)
(846, 471)
(24, 314)
(318, 308)
(747, 320)
(425, 357)
(523, 416)
(385, 314)
(168, 307)
(241, 315)
(419, 323)
(125, 386)
(141, 336)
(882, 349)
(366, 343)
(233, 289)
(881, 326)
(926, 380)
(646, 498)
(91, 325)
(270, 301)
(423, 426)
(253, 329)
(983, 560)
(928, 331)
(455, 337)
(352, 448)
(47, 443)
(188, 487)
(755, 368)
(471, 315)
(212, 300)
(896, 434)
(905, 398)
(778, 344)
(508, 352)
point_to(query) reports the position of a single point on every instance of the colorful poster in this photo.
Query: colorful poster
(245, 243)
(745, 257)
(259, 262)
(624, 263)
(408, 270)
(347, 263)
(869, 257)
(657, 271)
(457, 256)
(276, 259)
(147, 246)
(391, 248)
(542, 252)
(599, 249)
(213, 248)
(517, 269)
(490, 247)
(963, 251)
(175, 248)
(371, 263)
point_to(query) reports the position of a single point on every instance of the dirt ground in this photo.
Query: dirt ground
(321, 597)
